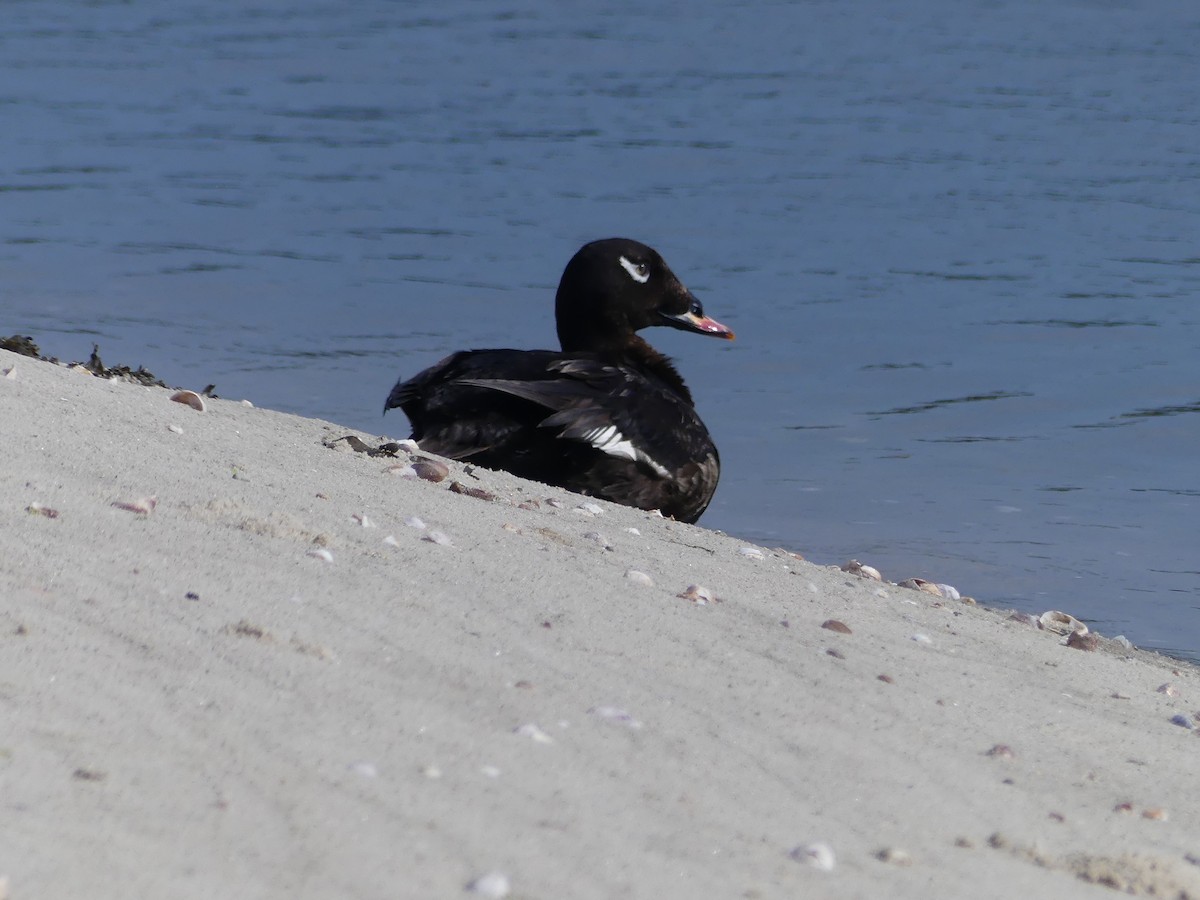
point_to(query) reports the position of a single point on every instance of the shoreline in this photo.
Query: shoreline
(242, 687)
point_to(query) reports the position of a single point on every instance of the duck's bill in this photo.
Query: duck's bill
(695, 320)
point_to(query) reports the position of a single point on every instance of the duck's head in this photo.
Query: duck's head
(616, 287)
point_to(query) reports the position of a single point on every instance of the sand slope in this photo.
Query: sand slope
(195, 706)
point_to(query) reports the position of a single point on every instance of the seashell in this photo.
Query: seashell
(920, 584)
(362, 520)
(438, 537)
(534, 733)
(835, 625)
(248, 404)
(949, 591)
(697, 594)
(597, 538)
(174, 429)
(430, 469)
(320, 553)
(142, 507)
(1002, 751)
(639, 577)
(634, 531)
(1183, 721)
(557, 504)
(818, 854)
(615, 715)
(11, 373)
(1061, 623)
(1169, 689)
(414, 522)
(590, 509)
(1123, 641)
(191, 398)
(970, 601)
(391, 541)
(1155, 813)
(854, 567)
(751, 553)
(921, 639)
(407, 445)
(39, 510)
(493, 884)
(1081, 641)
(403, 471)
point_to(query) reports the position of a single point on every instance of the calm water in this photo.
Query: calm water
(958, 242)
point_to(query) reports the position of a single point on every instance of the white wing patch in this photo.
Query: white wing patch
(639, 272)
(609, 440)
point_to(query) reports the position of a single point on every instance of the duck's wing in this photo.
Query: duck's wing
(614, 409)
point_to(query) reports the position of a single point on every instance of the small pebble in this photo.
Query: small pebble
(1002, 751)
(40, 510)
(1083, 641)
(407, 445)
(835, 625)
(430, 469)
(493, 884)
(895, 856)
(639, 577)
(818, 854)
(835, 653)
(557, 504)
(142, 507)
(886, 679)
(457, 487)
(1155, 813)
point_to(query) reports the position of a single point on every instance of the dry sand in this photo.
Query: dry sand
(195, 705)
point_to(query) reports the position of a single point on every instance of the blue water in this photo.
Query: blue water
(957, 239)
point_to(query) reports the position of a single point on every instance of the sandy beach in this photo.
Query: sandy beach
(241, 659)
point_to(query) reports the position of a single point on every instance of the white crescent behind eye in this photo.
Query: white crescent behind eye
(639, 272)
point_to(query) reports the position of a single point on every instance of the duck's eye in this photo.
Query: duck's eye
(638, 271)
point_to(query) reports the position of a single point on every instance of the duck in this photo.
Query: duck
(606, 416)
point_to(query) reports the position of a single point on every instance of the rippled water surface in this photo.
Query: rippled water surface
(957, 239)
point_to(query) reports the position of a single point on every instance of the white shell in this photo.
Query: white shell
(1061, 623)
(818, 854)
(191, 398)
(751, 553)
(534, 733)
(639, 577)
(321, 553)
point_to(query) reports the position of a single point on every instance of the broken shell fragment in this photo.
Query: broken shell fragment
(1169, 689)
(142, 507)
(616, 715)
(751, 553)
(697, 594)
(895, 856)
(639, 577)
(191, 398)
(920, 584)
(320, 553)
(1061, 623)
(854, 567)
(835, 625)
(38, 509)
(438, 537)
(457, 487)
(534, 733)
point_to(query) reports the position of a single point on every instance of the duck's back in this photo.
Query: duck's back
(595, 425)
